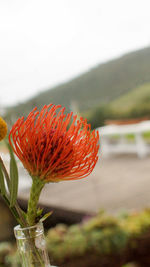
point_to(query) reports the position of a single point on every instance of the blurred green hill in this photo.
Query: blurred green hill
(131, 105)
(120, 87)
(137, 101)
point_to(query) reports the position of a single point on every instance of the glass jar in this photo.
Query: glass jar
(32, 246)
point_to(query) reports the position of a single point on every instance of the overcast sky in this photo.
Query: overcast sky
(45, 42)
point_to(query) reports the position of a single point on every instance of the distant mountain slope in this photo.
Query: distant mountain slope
(98, 86)
(136, 100)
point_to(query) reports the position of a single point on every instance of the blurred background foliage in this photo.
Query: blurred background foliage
(102, 241)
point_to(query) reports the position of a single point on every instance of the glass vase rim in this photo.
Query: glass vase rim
(20, 228)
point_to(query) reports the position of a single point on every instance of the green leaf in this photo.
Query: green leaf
(13, 179)
(2, 182)
(39, 212)
(45, 216)
(3, 168)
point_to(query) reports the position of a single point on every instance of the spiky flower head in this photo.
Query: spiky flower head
(3, 129)
(53, 146)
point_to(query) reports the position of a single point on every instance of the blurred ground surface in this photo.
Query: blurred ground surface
(118, 183)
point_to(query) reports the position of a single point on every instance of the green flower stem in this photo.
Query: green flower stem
(37, 186)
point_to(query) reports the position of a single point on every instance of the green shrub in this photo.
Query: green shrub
(105, 236)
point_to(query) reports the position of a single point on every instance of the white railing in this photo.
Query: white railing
(122, 144)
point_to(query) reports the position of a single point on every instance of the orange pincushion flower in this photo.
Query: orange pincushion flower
(52, 147)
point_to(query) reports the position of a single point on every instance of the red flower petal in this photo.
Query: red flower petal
(53, 146)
